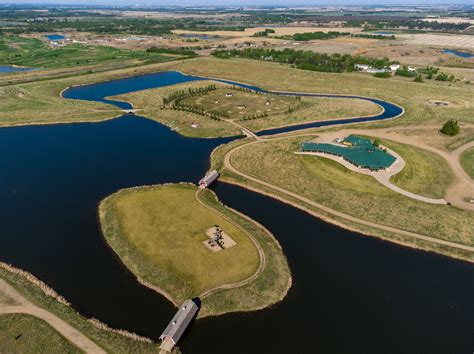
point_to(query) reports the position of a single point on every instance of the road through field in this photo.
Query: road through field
(22, 305)
(229, 166)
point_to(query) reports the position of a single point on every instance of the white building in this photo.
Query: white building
(394, 67)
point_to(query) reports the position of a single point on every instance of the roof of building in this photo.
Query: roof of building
(362, 152)
(180, 321)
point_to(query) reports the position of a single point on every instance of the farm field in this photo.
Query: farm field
(159, 233)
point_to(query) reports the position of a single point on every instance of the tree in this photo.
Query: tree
(451, 127)
(376, 142)
(419, 78)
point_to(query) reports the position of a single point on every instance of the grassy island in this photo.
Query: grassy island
(161, 233)
(210, 109)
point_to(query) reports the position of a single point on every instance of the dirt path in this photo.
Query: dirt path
(229, 166)
(261, 255)
(22, 305)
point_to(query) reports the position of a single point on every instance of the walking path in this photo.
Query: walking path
(229, 166)
(22, 305)
(261, 253)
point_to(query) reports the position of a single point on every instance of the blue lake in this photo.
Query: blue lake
(351, 293)
(55, 37)
(458, 53)
(13, 69)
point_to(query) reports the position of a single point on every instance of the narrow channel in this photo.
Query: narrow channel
(351, 294)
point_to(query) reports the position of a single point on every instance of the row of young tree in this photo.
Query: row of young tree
(179, 95)
(306, 59)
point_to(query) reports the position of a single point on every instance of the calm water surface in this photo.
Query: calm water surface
(351, 294)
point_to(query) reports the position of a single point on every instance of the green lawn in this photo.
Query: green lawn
(467, 162)
(158, 232)
(21, 333)
(32, 52)
(425, 173)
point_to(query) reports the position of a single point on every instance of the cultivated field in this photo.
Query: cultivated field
(158, 232)
(443, 40)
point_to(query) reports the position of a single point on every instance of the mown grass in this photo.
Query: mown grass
(329, 183)
(109, 341)
(32, 52)
(467, 162)
(158, 232)
(425, 173)
(22, 333)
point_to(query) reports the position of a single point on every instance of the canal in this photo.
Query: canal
(351, 293)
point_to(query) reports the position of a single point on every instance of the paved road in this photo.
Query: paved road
(22, 305)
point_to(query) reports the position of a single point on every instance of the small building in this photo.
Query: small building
(208, 179)
(375, 70)
(229, 94)
(394, 67)
(175, 329)
(360, 152)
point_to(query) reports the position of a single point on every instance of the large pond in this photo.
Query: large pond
(459, 53)
(13, 69)
(351, 293)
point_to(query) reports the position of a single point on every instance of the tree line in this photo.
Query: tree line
(306, 59)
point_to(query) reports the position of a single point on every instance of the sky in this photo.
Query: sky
(241, 2)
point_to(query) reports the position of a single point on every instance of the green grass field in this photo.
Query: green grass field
(467, 162)
(33, 52)
(329, 183)
(158, 232)
(165, 227)
(425, 173)
(21, 333)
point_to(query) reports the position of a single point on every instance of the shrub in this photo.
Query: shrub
(419, 78)
(451, 127)
(383, 74)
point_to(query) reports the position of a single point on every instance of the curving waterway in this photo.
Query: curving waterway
(351, 294)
